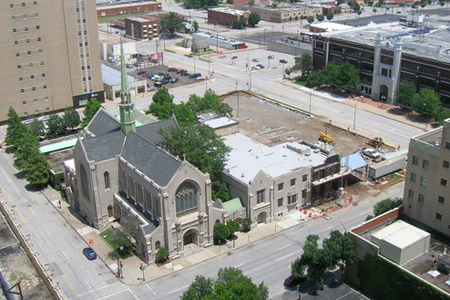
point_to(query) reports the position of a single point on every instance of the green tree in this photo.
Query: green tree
(242, 21)
(330, 16)
(340, 248)
(359, 12)
(162, 106)
(13, 123)
(55, 125)
(210, 101)
(25, 144)
(405, 94)
(385, 205)
(37, 127)
(316, 260)
(71, 118)
(171, 23)
(374, 10)
(441, 116)
(120, 240)
(288, 72)
(37, 170)
(246, 224)
(426, 103)
(195, 26)
(90, 110)
(233, 226)
(304, 64)
(356, 7)
(423, 4)
(230, 284)
(161, 255)
(200, 288)
(253, 19)
(320, 18)
(185, 114)
(310, 19)
(130, 227)
(348, 77)
(220, 232)
(220, 191)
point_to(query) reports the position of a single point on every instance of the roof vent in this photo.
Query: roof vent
(242, 175)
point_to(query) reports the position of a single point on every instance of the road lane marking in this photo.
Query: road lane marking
(100, 288)
(328, 228)
(90, 286)
(344, 295)
(239, 265)
(46, 230)
(177, 290)
(32, 212)
(65, 255)
(285, 246)
(116, 293)
(366, 212)
(135, 297)
(151, 290)
(286, 256)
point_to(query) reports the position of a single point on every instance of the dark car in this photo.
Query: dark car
(185, 74)
(89, 253)
(195, 75)
(161, 74)
(291, 281)
(164, 81)
(180, 71)
(141, 72)
(255, 60)
(150, 75)
(175, 79)
(157, 84)
(283, 61)
(261, 66)
(167, 76)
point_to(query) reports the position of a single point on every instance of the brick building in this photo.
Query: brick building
(285, 12)
(225, 16)
(141, 29)
(128, 7)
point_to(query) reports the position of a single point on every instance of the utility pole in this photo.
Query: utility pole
(310, 96)
(354, 118)
(237, 94)
(194, 62)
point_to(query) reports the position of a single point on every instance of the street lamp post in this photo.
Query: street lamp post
(354, 117)
(310, 96)
(237, 94)
(194, 62)
(143, 271)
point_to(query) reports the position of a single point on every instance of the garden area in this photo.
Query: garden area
(118, 242)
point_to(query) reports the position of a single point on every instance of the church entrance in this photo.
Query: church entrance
(384, 90)
(110, 211)
(262, 217)
(190, 237)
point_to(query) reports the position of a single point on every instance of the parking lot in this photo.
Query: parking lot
(182, 80)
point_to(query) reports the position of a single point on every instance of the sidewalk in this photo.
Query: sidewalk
(366, 104)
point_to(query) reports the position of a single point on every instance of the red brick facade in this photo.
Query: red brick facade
(387, 216)
(224, 18)
(115, 10)
(141, 30)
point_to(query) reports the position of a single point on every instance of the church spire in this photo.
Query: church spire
(127, 119)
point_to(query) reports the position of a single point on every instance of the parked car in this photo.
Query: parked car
(181, 71)
(256, 67)
(371, 153)
(172, 69)
(195, 75)
(283, 61)
(161, 74)
(185, 74)
(270, 57)
(255, 60)
(141, 72)
(89, 253)
(129, 65)
(175, 79)
(156, 77)
(167, 76)
(292, 281)
(234, 57)
(261, 66)
(150, 75)
(158, 84)
(150, 88)
(111, 59)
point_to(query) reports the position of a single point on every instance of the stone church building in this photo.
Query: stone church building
(119, 171)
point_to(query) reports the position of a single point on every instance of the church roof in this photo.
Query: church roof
(102, 123)
(150, 132)
(154, 162)
(105, 146)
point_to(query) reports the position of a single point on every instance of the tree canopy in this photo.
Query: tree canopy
(230, 284)
(55, 125)
(90, 110)
(37, 170)
(200, 3)
(330, 16)
(162, 106)
(253, 19)
(406, 91)
(171, 23)
(304, 64)
(220, 232)
(310, 19)
(426, 103)
(385, 205)
(13, 123)
(25, 143)
(194, 26)
(37, 127)
(343, 77)
(71, 118)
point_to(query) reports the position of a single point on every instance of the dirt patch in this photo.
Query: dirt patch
(273, 124)
(15, 266)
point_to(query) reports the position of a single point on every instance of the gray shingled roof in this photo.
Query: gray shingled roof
(105, 146)
(102, 123)
(154, 162)
(150, 132)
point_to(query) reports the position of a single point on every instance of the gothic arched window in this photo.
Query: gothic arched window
(106, 177)
(186, 198)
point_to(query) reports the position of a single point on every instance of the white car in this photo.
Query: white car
(157, 77)
(371, 153)
(256, 68)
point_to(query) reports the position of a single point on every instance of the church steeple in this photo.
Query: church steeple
(127, 119)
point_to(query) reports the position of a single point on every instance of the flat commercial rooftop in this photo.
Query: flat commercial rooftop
(112, 76)
(248, 157)
(400, 234)
(432, 43)
(220, 122)
(432, 137)
(331, 26)
(58, 146)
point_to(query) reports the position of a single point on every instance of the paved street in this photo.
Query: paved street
(59, 247)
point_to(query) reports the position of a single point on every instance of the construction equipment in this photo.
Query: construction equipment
(376, 142)
(326, 138)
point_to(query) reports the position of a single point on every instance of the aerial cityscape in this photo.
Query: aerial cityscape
(238, 149)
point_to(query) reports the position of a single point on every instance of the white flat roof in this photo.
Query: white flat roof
(330, 26)
(112, 76)
(228, 11)
(220, 122)
(401, 234)
(248, 157)
(70, 164)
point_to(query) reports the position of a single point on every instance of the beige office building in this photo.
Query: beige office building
(284, 12)
(50, 56)
(427, 186)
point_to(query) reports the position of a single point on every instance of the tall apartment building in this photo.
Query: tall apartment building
(427, 185)
(50, 56)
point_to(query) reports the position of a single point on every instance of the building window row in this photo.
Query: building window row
(33, 76)
(24, 17)
(35, 100)
(33, 89)
(260, 196)
(31, 65)
(26, 29)
(23, 4)
(292, 199)
(85, 43)
(27, 41)
(35, 112)
(30, 52)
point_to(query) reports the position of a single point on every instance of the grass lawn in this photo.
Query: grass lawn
(106, 19)
(300, 82)
(107, 236)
